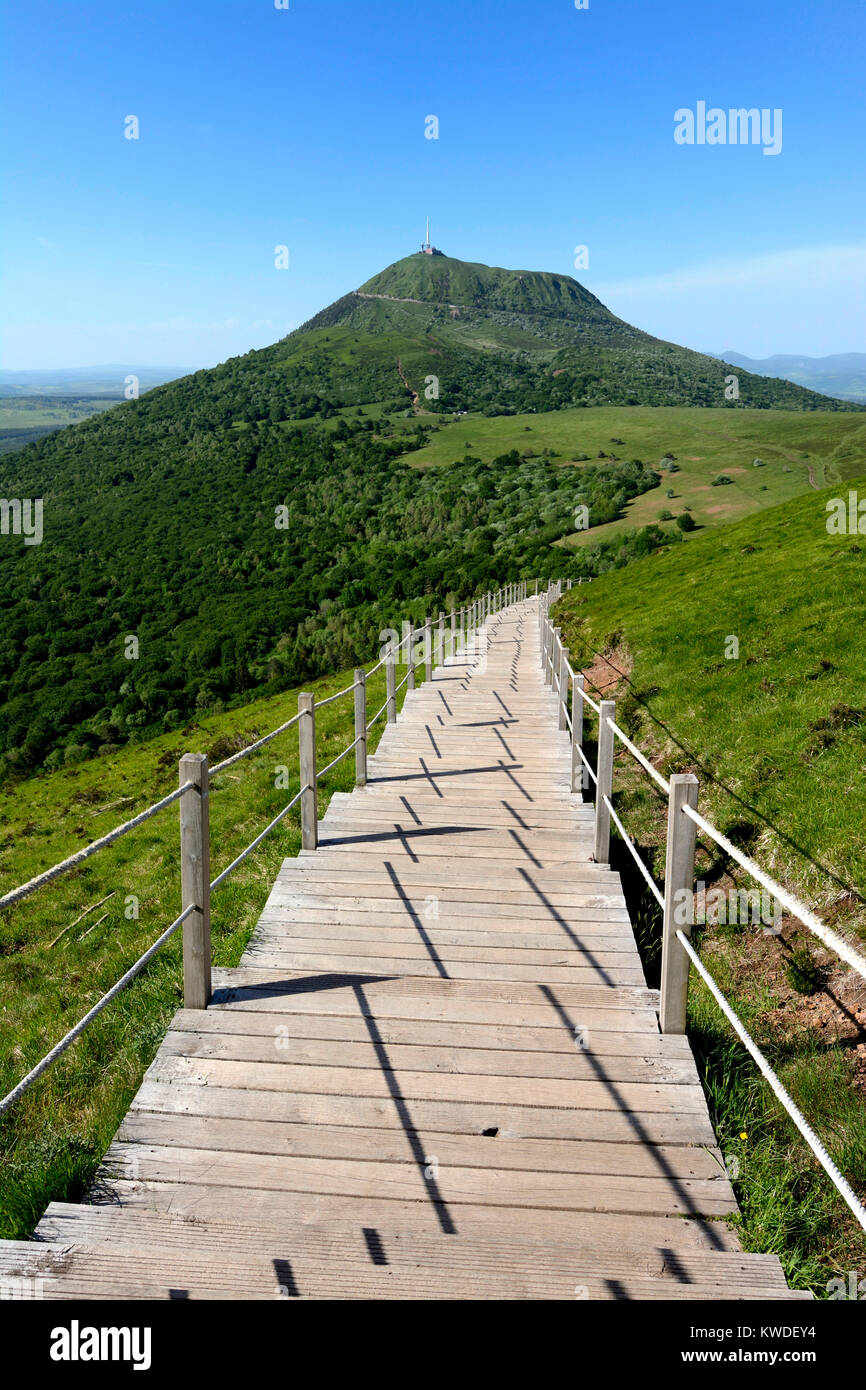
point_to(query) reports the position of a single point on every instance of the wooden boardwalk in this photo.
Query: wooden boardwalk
(437, 1072)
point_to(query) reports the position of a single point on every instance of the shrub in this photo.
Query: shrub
(804, 975)
(722, 480)
(686, 522)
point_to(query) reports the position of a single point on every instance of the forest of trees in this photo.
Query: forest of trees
(246, 560)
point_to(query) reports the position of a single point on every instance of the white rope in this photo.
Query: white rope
(258, 840)
(644, 762)
(79, 1028)
(251, 748)
(659, 897)
(586, 763)
(339, 758)
(582, 693)
(339, 695)
(830, 938)
(778, 1089)
(379, 712)
(79, 857)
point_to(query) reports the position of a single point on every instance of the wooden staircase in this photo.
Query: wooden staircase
(437, 1072)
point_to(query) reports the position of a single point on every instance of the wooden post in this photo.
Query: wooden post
(410, 664)
(428, 649)
(555, 670)
(563, 688)
(441, 656)
(577, 768)
(195, 880)
(391, 687)
(679, 902)
(604, 773)
(361, 728)
(549, 676)
(307, 750)
(453, 632)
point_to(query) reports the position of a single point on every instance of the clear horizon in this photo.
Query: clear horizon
(305, 127)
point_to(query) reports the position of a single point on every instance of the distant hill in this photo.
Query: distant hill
(83, 381)
(842, 374)
(36, 403)
(503, 341)
(256, 523)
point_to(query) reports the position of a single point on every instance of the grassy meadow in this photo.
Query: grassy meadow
(799, 451)
(53, 1138)
(776, 735)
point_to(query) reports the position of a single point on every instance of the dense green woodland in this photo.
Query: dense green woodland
(175, 540)
(160, 514)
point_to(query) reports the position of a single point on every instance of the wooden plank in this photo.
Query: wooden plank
(474, 1151)
(176, 1096)
(409, 1181)
(250, 981)
(583, 1228)
(653, 1047)
(440, 1038)
(434, 966)
(600, 1096)
(112, 1227)
(479, 1061)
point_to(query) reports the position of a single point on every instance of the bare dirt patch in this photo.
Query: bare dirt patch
(835, 1012)
(606, 672)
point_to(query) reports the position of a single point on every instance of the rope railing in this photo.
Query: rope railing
(244, 854)
(320, 704)
(806, 1130)
(59, 1048)
(193, 794)
(627, 841)
(378, 715)
(253, 747)
(339, 758)
(831, 939)
(676, 899)
(80, 855)
(639, 757)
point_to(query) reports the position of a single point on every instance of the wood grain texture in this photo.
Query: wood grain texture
(437, 1071)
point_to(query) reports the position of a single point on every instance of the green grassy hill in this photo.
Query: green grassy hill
(777, 737)
(53, 1138)
(796, 452)
(505, 341)
(254, 525)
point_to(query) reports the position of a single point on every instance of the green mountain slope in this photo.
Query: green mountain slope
(255, 524)
(741, 657)
(777, 732)
(505, 341)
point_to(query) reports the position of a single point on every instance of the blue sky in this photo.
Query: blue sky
(305, 127)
